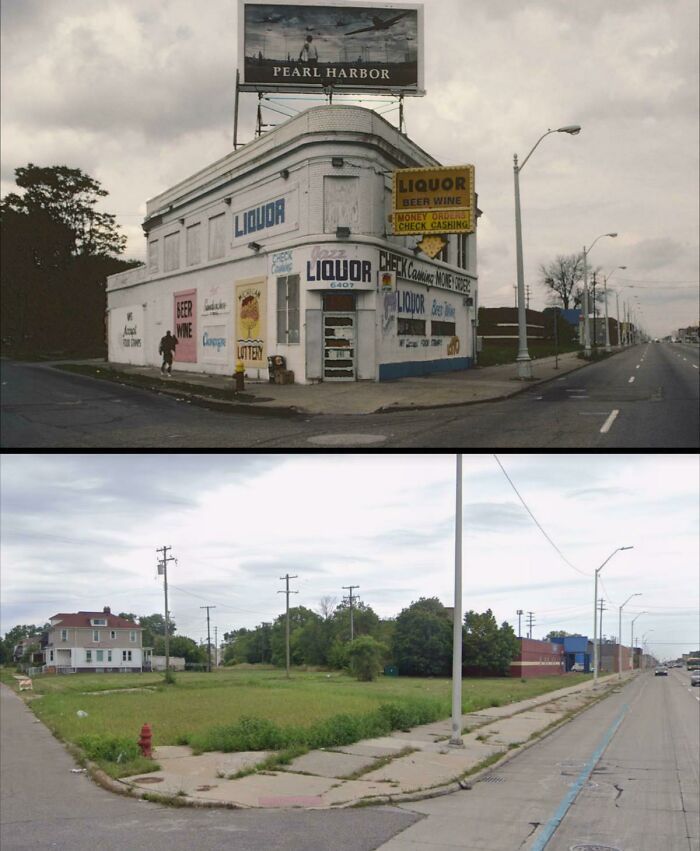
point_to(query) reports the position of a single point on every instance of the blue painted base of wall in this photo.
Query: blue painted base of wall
(392, 371)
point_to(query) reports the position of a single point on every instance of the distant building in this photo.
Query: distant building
(97, 642)
(538, 659)
(575, 651)
(157, 663)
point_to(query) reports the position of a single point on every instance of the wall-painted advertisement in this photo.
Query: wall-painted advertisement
(214, 344)
(215, 300)
(410, 269)
(250, 322)
(268, 218)
(333, 266)
(126, 337)
(294, 46)
(282, 262)
(185, 322)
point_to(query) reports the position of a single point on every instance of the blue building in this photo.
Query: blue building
(575, 651)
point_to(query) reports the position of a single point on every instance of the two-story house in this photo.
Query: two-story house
(98, 642)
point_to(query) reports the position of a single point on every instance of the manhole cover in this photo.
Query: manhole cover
(147, 780)
(347, 439)
(492, 778)
(594, 848)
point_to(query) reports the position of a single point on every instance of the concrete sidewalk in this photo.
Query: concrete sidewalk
(481, 384)
(406, 765)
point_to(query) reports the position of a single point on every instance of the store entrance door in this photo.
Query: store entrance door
(339, 337)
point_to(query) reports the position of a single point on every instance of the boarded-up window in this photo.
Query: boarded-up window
(171, 250)
(216, 237)
(153, 255)
(341, 203)
(193, 245)
(288, 309)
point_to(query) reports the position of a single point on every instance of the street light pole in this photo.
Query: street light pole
(619, 635)
(456, 739)
(586, 324)
(607, 330)
(632, 633)
(644, 644)
(523, 359)
(595, 613)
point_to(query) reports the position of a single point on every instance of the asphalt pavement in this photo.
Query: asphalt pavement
(645, 397)
(622, 776)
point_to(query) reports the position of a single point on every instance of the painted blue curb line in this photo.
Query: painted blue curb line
(576, 786)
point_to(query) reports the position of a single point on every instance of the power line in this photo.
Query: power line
(565, 559)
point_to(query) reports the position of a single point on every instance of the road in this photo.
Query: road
(635, 757)
(643, 398)
(43, 805)
(622, 775)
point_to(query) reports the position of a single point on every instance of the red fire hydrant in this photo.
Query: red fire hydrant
(145, 741)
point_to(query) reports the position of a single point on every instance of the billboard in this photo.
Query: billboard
(434, 200)
(350, 47)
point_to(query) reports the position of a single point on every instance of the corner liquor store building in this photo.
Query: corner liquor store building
(281, 248)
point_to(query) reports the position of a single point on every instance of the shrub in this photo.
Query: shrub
(365, 655)
(109, 748)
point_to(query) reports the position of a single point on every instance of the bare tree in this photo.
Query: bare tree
(326, 607)
(562, 278)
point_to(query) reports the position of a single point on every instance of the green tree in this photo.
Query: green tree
(154, 626)
(69, 197)
(422, 642)
(181, 645)
(299, 617)
(557, 633)
(486, 646)
(57, 252)
(366, 656)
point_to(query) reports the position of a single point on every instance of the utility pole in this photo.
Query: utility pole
(208, 638)
(216, 647)
(527, 296)
(519, 613)
(350, 599)
(531, 621)
(601, 606)
(163, 570)
(287, 577)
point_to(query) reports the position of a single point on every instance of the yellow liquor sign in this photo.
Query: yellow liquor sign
(434, 200)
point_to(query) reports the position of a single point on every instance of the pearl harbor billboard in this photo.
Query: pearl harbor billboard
(344, 47)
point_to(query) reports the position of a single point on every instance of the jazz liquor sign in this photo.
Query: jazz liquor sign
(434, 200)
(290, 46)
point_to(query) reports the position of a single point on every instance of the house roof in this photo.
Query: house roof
(82, 619)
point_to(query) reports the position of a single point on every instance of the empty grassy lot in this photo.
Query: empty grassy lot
(118, 704)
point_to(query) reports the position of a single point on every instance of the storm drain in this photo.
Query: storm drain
(492, 778)
(147, 780)
(588, 847)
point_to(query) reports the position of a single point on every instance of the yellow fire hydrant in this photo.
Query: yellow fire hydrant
(239, 376)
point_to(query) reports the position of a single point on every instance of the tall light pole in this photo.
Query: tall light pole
(632, 633)
(595, 613)
(644, 644)
(586, 324)
(456, 738)
(619, 635)
(605, 290)
(523, 358)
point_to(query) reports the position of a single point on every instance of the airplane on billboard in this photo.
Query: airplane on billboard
(378, 24)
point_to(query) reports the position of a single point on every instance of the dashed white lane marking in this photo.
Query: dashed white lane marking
(631, 380)
(695, 366)
(608, 423)
(638, 365)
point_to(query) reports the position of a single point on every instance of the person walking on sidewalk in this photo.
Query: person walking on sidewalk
(167, 349)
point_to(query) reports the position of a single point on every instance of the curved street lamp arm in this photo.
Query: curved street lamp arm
(522, 164)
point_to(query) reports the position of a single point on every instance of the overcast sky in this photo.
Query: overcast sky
(140, 95)
(80, 532)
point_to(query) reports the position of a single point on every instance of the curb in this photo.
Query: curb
(464, 782)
